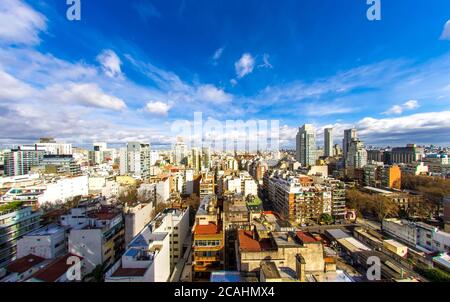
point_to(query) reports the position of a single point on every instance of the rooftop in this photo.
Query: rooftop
(54, 270)
(129, 272)
(208, 229)
(270, 270)
(306, 238)
(47, 230)
(25, 263)
(248, 244)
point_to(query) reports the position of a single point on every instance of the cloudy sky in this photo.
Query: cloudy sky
(129, 69)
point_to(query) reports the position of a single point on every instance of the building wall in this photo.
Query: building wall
(136, 219)
(64, 189)
(87, 243)
(47, 246)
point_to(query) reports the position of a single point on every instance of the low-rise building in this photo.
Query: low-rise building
(153, 253)
(48, 242)
(97, 234)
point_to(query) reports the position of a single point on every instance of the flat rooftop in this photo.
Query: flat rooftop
(48, 230)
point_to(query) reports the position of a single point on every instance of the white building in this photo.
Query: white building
(420, 235)
(136, 218)
(64, 189)
(48, 242)
(153, 253)
(135, 159)
(154, 157)
(188, 186)
(97, 234)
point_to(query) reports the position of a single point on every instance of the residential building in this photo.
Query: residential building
(136, 218)
(60, 270)
(23, 268)
(48, 242)
(329, 142)
(19, 161)
(392, 177)
(51, 147)
(349, 135)
(97, 234)
(207, 185)
(306, 145)
(153, 253)
(15, 222)
(356, 154)
(179, 152)
(406, 155)
(60, 164)
(135, 159)
(419, 234)
(209, 242)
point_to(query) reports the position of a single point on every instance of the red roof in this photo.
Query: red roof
(129, 272)
(25, 263)
(208, 229)
(306, 238)
(55, 270)
(248, 244)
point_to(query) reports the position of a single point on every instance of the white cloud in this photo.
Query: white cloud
(218, 53)
(412, 104)
(19, 23)
(399, 109)
(245, 65)
(211, 93)
(12, 88)
(266, 63)
(157, 108)
(446, 32)
(110, 63)
(86, 94)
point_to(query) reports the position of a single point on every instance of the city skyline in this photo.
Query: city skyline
(96, 80)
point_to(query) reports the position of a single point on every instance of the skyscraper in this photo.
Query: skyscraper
(179, 152)
(306, 145)
(349, 134)
(329, 142)
(356, 154)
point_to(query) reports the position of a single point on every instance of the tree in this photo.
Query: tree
(128, 197)
(326, 218)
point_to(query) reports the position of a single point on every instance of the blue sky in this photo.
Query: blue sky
(127, 70)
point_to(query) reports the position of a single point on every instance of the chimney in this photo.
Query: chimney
(300, 266)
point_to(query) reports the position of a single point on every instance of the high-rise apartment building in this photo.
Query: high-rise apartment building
(306, 145)
(356, 155)
(135, 159)
(179, 152)
(349, 134)
(19, 161)
(329, 142)
(15, 221)
(206, 157)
